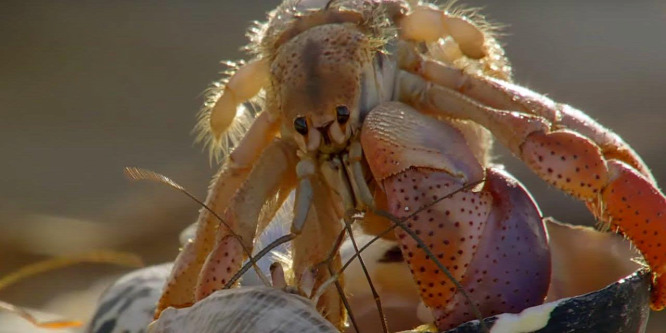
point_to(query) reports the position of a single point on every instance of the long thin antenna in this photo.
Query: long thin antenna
(400, 223)
(136, 174)
(335, 249)
(260, 254)
(375, 295)
(441, 267)
(143, 174)
(393, 226)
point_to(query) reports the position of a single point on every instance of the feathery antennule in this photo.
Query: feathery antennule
(145, 174)
(220, 146)
(495, 63)
(136, 174)
(490, 29)
(255, 33)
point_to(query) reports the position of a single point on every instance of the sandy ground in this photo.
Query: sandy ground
(87, 88)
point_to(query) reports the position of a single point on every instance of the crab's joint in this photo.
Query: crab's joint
(305, 169)
(359, 183)
(248, 80)
(337, 133)
(427, 24)
(277, 276)
(260, 134)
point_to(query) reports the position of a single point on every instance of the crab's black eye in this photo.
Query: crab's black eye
(301, 125)
(342, 114)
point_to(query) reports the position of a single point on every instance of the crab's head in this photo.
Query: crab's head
(320, 79)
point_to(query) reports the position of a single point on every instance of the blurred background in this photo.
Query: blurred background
(89, 87)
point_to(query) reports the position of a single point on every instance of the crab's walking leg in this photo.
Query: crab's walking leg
(247, 213)
(565, 148)
(502, 95)
(318, 235)
(179, 290)
(492, 240)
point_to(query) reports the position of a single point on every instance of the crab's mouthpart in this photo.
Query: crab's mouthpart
(327, 137)
(337, 133)
(313, 140)
(324, 130)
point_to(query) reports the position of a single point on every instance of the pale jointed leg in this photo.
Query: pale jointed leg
(179, 290)
(454, 84)
(318, 234)
(249, 210)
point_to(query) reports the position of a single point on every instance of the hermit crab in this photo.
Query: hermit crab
(381, 114)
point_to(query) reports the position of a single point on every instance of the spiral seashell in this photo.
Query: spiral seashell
(247, 309)
(128, 305)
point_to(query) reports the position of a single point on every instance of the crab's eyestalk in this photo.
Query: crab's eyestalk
(301, 125)
(342, 113)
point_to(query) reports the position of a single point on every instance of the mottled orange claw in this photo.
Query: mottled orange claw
(567, 160)
(492, 240)
(562, 145)
(637, 209)
(615, 191)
